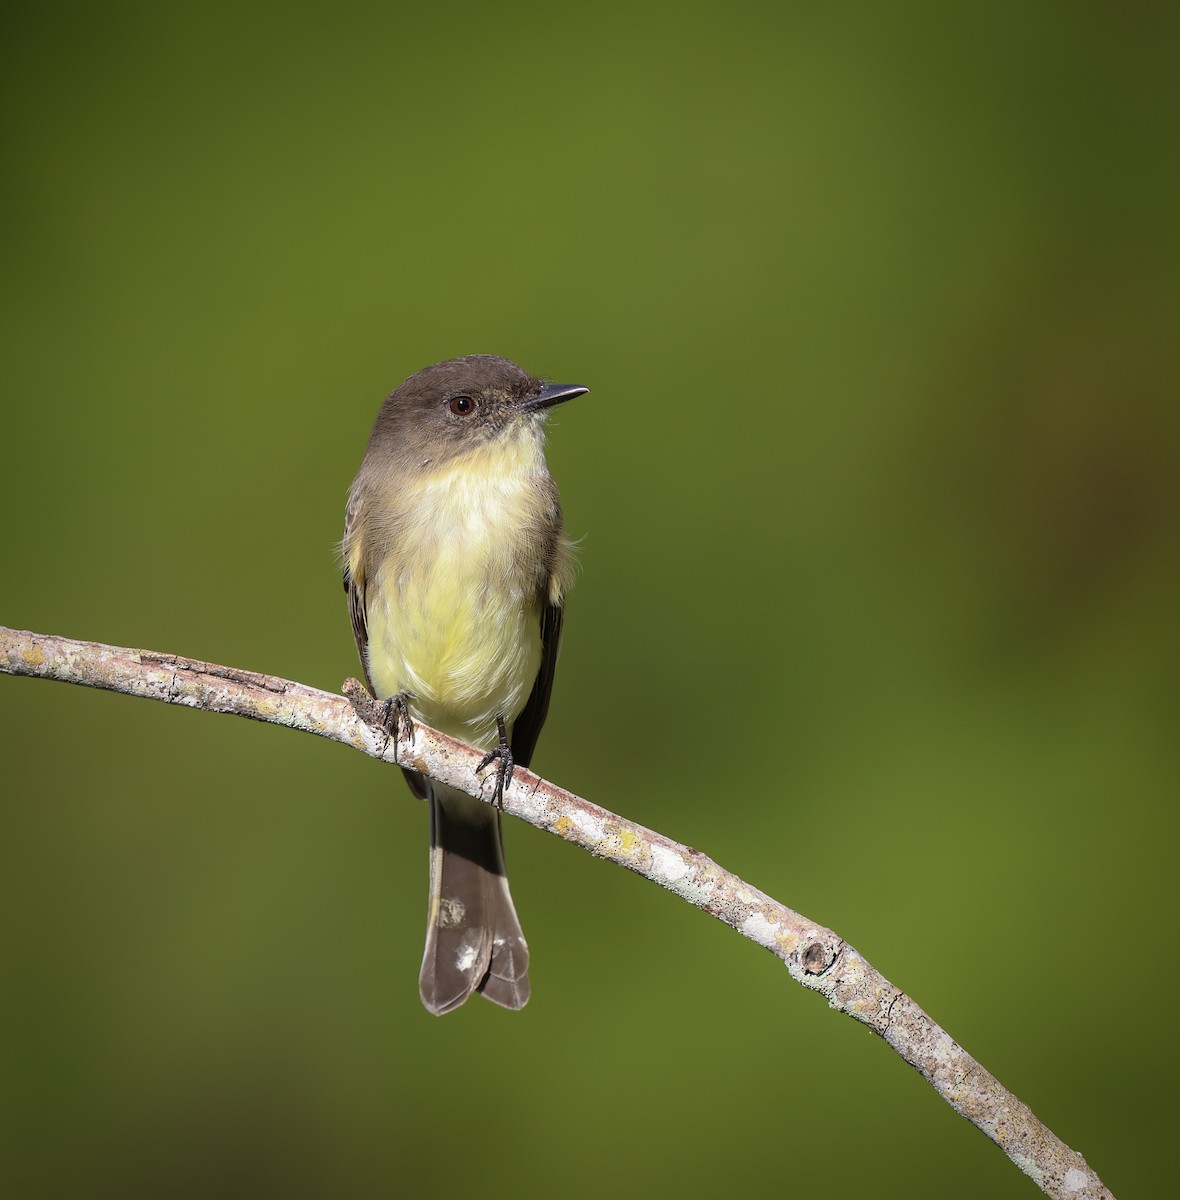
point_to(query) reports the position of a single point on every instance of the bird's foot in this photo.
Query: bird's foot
(501, 755)
(391, 716)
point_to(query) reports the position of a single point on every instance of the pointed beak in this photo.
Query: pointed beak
(553, 393)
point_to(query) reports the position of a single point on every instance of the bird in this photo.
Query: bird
(456, 565)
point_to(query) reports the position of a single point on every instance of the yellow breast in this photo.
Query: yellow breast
(454, 607)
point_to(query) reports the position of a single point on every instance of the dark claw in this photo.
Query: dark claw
(395, 716)
(390, 715)
(501, 755)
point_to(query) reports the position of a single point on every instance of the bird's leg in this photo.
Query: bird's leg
(392, 716)
(501, 755)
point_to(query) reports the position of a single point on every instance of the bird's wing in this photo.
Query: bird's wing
(527, 727)
(354, 586)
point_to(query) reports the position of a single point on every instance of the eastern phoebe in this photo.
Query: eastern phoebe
(456, 563)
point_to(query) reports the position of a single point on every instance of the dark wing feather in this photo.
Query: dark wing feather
(354, 587)
(527, 727)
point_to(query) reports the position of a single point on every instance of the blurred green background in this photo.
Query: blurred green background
(878, 491)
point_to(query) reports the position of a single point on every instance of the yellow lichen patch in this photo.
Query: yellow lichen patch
(564, 827)
(787, 941)
(34, 656)
(628, 842)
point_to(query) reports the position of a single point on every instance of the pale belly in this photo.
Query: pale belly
(461, 637)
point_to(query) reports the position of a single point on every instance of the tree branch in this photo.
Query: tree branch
(816, 957)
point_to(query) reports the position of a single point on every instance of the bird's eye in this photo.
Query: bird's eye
(462, 406)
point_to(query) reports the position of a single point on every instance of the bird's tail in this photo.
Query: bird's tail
(473, 938)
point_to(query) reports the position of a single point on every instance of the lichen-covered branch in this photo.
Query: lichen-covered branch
(816, 957)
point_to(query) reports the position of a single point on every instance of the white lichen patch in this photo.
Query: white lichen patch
(758, 929)
(592, 828)
(669, 865)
